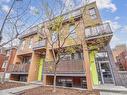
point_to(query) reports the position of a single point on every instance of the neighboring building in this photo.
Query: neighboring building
(2, 55)
(122, 61)
(6, 57)
(118, 49)
(118, 54)
(33, 60)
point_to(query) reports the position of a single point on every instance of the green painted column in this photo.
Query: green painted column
(40, 69)
(93, 68)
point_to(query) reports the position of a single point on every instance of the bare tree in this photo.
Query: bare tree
(17, 20)
(56, 37)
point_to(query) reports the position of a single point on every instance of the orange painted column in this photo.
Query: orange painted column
(34, 66)
(87, 67)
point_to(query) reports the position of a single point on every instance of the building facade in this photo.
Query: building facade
(89, 65)
(2, 55)
(122, 61)
(118, 50)
(6, 57)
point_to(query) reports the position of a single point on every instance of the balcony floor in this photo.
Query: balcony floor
(99, 41)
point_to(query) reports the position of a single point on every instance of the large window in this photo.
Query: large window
(30, 42)
(22, 44)
(26, 60)
(72, 31)
(75, 56)
(54, 37)
(92, 13)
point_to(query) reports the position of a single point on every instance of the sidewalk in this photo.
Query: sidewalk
(111, 90)
(17, 89)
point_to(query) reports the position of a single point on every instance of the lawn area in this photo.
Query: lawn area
(60, 91)
(8, 85)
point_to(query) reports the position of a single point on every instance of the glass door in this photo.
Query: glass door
(106, 75)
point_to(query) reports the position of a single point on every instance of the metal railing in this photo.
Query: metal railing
(69, 66)
(39, 44)
(98, 30)
(18, 68)
(24, 50)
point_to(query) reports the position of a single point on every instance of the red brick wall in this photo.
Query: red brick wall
(122, 60)
(1, 62)
(12, 56)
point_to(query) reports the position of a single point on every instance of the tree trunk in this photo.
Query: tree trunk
(54, 81)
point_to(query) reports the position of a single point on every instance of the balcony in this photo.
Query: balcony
(98, 31)
(39, 45)
(24, 51)
(65, 67)
(99, 35)
(18, 68)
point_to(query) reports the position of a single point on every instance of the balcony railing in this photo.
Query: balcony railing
(70, 66)
(18, 68)
(99, 30)
(24, 51)
(39, 44)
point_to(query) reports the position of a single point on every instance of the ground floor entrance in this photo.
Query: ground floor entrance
(19, 77)
(105, 74)
(68, 81)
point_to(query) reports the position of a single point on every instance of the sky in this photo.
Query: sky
(112, 11)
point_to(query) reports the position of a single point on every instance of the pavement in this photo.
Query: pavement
(17, 89)
(104, 89)
(111, 90)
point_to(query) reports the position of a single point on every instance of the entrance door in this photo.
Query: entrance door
(106, 75)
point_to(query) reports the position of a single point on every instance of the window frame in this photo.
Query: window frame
(73, 35)
(93, 13)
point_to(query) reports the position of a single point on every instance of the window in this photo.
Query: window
(4, 64)
(75, 56)
(54, 37)
(72, 31)
(30, 42)
(66, 57)
(87, 32)
(8, 52)
(23, 44)
(26, 60)
(92, 13)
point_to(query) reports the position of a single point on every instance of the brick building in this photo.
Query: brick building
(34, 57)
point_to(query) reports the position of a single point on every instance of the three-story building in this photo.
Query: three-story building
(89, 65)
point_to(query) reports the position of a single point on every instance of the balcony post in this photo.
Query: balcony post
(87, 67)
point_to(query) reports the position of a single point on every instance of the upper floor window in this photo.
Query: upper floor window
(72, 32)
(75, 56)
(8, 52)
(92, 13)
(54, 37)
(65, 56)
(26, 60)
(23, 44)
(30, 42)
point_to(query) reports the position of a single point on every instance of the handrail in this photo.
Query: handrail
(65, 66)
(98, 30)
(18, 68)
(39, 44)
